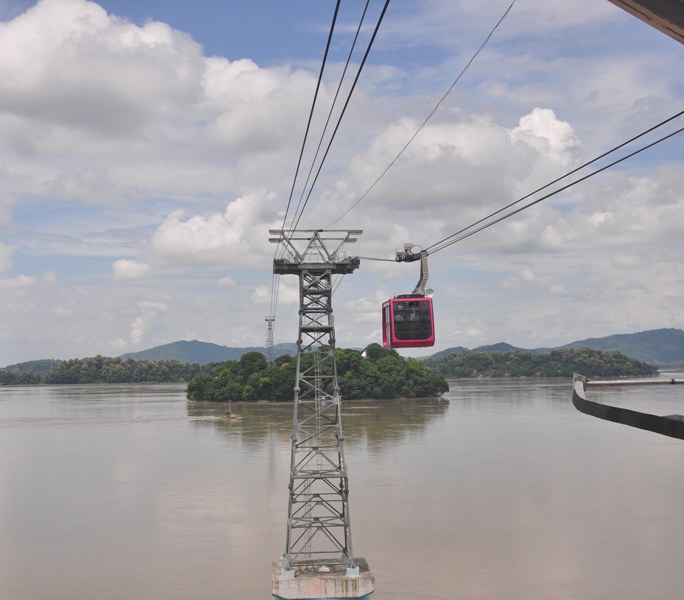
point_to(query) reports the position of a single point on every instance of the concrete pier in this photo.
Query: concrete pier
(322, 580)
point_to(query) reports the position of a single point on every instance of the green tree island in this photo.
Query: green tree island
(557, 363)
(99, 369)
(377, 373)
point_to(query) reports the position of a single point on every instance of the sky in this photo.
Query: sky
(147, 147)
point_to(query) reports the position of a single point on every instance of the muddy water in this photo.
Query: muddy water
(500, 490)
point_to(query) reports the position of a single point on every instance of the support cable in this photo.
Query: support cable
(429, 116)
(344, 108)
(558, 179)
(275, 281)
(332, 106)
(443, 244)
(453, 238)
(313, 105)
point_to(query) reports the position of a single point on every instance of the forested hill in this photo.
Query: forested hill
(376, 373)
(202, 352)
(382, 374)
(34, 366)
(658, 346)
(557, 363)
(101, 369)
(662, 347)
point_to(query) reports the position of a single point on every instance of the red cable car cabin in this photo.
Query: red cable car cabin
(408, 322)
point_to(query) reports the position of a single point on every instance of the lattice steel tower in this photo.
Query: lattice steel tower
(269, 338)
(318, 527)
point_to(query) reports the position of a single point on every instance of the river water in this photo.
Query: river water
(501, 490)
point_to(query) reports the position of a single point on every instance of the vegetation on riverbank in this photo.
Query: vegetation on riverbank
(103, 369)
(557, 363)
(381, 373)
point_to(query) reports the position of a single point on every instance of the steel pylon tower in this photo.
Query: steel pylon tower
(318, 526)
(269, 338)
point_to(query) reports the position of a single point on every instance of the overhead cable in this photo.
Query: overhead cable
(429, 116)
(582, 166)
(313, 105)
(332, 106)
(275, 281)
(344, 108)
(441, 246)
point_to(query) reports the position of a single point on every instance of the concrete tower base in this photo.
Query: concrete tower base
(322, 580)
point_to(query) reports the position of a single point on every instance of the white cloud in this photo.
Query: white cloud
(6, 252)
(26, 281)
(528, 275)
(87, 184)
(461, 167)
(62, 311)
(97, 109)
(21, 281)
(262, 295)
(542, 131)
(6, 203)
(129, 269)
(119, 344)
(288, 294)
(627, 260)
(69, 64)
(152, 316)
(119, 140)
(235, 237)
(226, 282)
(441, 23)
(474, 334)
(254, 106)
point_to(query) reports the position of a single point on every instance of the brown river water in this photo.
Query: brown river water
(500, 490)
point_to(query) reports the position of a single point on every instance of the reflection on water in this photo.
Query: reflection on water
(501, 490)
(373, 424)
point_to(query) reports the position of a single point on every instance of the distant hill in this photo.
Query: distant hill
(34, 366)
(500, 347)
(664, 347)
(661, 347)
(448, 351)
(504, 347)
(32, 372)
(557, 363)
(202, 352)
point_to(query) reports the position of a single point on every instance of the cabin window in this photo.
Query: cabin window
(387, 326)
(412, 320)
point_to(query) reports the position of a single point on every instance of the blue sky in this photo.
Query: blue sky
(265, 32)
(147, 147)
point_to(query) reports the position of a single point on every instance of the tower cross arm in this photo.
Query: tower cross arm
(314, 250)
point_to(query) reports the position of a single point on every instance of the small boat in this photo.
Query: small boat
(670, 425)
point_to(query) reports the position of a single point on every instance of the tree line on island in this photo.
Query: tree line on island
(556, 363)
(99, 369)
(375, 373)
